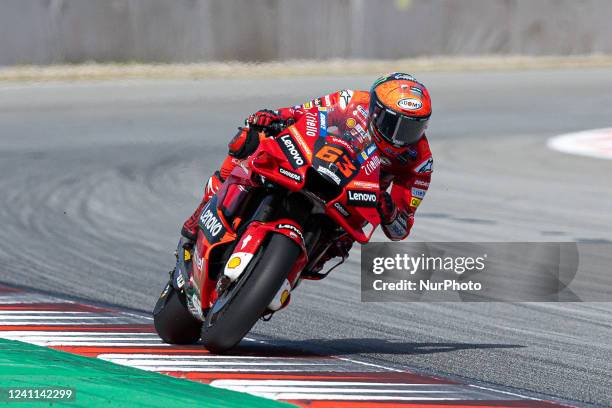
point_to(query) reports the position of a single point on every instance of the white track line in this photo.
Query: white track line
(75, 323)
(96, 344)
(280, 370)
(274, 389)
(28, 339)
(231, 383)
(255, 389)
(357, 390)
(36, 334)
(503, 392)
(350, 360)
(46, 313)
(25, 298)
(349, 397)
(172, 364)
(192, 357)
(592, 143)
(76, 318)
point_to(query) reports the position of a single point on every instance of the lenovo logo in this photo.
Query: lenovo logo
(361, 198)
(291, 228)
(293, 154)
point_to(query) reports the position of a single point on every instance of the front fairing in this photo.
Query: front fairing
(320, 156)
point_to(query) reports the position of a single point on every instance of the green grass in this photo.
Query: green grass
(100, 383)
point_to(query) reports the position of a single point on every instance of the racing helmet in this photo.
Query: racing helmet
(400, 108)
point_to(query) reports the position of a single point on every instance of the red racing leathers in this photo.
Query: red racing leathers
(407, 171)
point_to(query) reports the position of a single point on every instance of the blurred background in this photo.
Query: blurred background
(73, 31)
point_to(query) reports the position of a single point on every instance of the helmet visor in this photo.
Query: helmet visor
(396, 128)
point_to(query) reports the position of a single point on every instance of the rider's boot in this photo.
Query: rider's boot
(339, 249)
(184, 257)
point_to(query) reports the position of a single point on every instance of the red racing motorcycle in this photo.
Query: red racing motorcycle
(268, 227)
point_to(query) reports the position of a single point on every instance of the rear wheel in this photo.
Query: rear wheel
(173, 322)
(240, 306)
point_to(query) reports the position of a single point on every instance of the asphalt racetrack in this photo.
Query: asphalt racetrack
(96, 179)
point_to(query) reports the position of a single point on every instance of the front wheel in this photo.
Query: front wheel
(240, 306)
(173, 322)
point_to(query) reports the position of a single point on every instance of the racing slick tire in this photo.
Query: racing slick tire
(173, 322)
(239, 307)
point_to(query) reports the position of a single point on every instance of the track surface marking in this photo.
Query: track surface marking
(593, 143)
(306, 379)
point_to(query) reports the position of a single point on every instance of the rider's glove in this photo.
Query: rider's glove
(386, 208)
(263, 118)
(395, 223)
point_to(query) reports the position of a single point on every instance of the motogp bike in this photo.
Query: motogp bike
(267, 229)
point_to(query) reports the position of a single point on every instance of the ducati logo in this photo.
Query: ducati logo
(345, 98)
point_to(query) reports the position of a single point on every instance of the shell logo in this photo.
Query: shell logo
(410, 104)
(234, 262)
(284, 296)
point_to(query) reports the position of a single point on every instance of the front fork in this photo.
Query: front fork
(181, 277)
(183, 254)
(265, 222)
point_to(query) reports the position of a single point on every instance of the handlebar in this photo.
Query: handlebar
(273, 129)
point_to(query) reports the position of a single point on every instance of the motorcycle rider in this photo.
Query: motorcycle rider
(394, 113)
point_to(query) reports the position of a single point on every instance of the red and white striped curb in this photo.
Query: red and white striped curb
(593, 143)
(258, 368)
